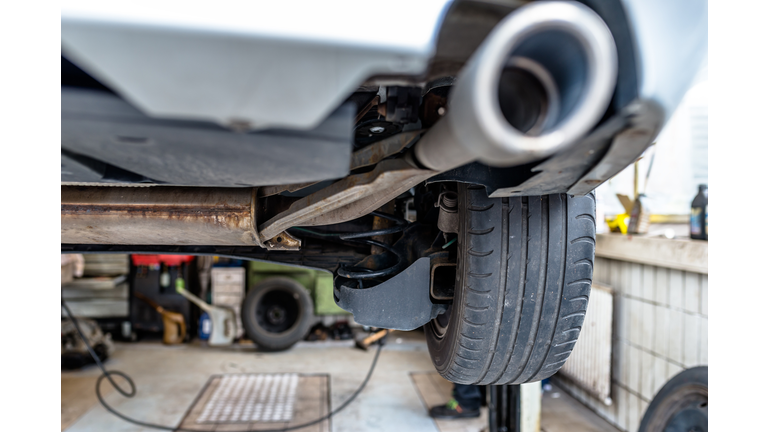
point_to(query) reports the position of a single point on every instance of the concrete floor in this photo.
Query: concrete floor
(169, 378)
(562, 413)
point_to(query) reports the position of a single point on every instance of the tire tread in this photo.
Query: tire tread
(530, 260)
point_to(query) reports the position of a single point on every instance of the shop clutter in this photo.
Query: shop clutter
(179, 299)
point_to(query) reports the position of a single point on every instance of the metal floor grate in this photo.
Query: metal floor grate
(269, 401)
(252, 397)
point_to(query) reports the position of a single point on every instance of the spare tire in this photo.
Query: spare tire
(277, 313)
(681, 405)
(523, 279)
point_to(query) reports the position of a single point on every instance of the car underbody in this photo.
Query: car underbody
(363, 159)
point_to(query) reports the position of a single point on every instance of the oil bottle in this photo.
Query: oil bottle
(699, 210)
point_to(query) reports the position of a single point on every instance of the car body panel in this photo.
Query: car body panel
(106, 140)
(671, 45)
(246, 65)
(291, 65)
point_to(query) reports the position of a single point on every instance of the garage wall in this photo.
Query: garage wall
(660, 328)
(679, 159)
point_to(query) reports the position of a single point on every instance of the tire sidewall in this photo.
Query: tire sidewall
(670, 398)
(442, 349)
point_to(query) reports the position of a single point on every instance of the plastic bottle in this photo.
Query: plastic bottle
(699, 210)
(204, 330)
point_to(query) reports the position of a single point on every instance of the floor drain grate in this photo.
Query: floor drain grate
(260, 401)
(252, 397)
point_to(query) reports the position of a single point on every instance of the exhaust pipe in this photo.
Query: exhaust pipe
(158, 215)
(540, 81)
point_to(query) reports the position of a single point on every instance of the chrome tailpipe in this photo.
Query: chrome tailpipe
(540, 81)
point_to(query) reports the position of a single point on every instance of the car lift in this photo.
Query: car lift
(514, 408)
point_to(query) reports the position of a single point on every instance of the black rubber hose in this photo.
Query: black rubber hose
(108, 375)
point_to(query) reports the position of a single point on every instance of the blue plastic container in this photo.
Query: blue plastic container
(204, 329)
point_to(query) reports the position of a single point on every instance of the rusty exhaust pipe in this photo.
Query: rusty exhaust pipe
(161, 215)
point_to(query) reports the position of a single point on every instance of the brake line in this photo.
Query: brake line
(129, 394)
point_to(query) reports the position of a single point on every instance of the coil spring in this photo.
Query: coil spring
(361, 273)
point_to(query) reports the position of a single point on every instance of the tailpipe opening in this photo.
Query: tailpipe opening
(540, 81)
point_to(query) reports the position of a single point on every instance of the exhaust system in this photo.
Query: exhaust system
(540, 81)
(158, 216)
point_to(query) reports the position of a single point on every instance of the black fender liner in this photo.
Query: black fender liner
(401, 303)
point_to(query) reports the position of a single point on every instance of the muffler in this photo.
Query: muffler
(540, 81)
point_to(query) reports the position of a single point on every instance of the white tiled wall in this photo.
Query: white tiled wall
(660, 328)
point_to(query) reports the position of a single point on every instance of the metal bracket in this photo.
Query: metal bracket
(349, 198)
(401, 303)
(283, 241)
(442, 277)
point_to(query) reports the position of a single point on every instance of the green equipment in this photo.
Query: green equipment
(283, 302)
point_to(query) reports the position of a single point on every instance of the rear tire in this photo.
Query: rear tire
(523, 280)
(277, 313)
